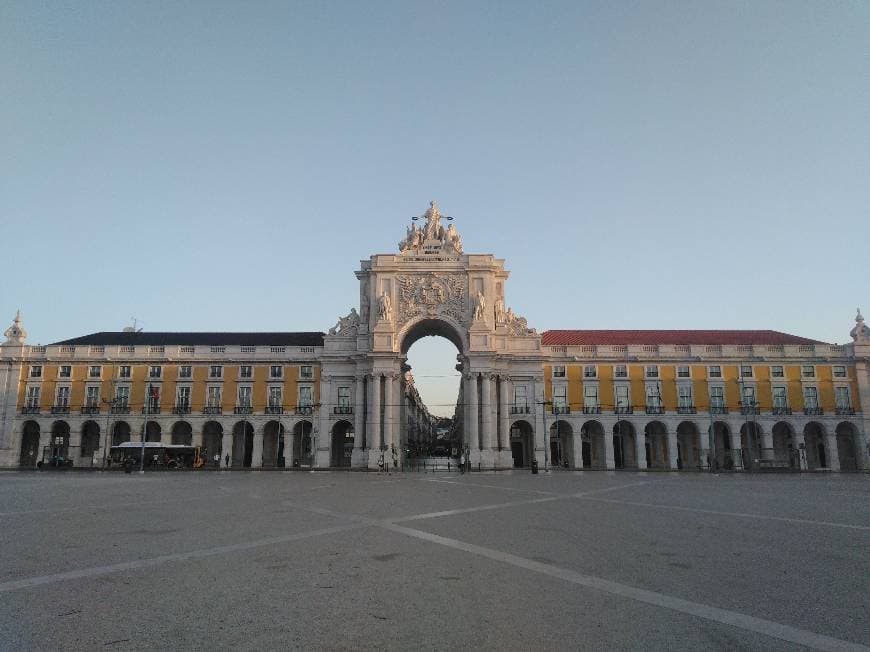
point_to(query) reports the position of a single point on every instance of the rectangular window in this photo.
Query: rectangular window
(33, 397)
(305, 371)
(122, 396)
(652, 371)
(182, 397)
(344, 396)
(620, 394)
(95, 371)
(155, 371)
(620, 371)
(215, 371)
(746, 371)
(214, 397)
(244, 396)
(92, 396)
(185, 371)
(683, 371)
(153, 398)
(780, 397)
(62, 397)
(590, 371)
(520, 398)
(559, 371)
(653, 396)
(685, 396)
(36, 371)
(124, 371)
(808, 371)
(749, 397)
(65, 371)
(275, 397)
(811, 398)
(245, 371)
(560, 397)
(714, 371)
(590, 397)
(717, 397)
(777, 372)
(305, 396)
(839, 371)
(843, 398)
(276, 371)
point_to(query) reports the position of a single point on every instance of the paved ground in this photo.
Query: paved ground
(494, 561)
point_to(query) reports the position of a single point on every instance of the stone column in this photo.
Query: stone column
(196, 439)
(257, 450)
(542, 441)
(374, 429)
(227, 448)
(736, 452)
(832, 452)
(389, 412)
(640, 449)
(358, 416)
(766, 445)
(800, 448)
(577, 450)
(505, 412)
(672, 449)
(609, 459)
(486, 398)
(473, 414)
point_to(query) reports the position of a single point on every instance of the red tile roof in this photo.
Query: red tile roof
(564, 337)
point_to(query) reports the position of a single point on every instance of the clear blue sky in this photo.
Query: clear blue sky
(225, 166)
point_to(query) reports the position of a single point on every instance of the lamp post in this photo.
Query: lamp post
(544, 405)
(315, 414)
(110, 406)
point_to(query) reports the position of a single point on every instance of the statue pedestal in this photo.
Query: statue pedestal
(382, 336)
(359, 459)
(481, 460)
(479, 336)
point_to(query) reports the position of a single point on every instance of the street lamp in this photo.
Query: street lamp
(543, 405)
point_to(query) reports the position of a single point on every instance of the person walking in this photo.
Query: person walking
(227, 460)
(395, 459)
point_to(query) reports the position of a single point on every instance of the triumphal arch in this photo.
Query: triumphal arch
(432, 287)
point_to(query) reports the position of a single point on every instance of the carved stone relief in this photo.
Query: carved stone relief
(431, 295)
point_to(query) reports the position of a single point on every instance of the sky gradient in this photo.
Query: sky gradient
(225, 166)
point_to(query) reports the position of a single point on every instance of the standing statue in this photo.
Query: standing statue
(385, 307)
(479, 306)
(453, 239)
(433, 229)
(500, 316)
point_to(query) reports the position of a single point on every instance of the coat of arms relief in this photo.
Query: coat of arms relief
(431, 295)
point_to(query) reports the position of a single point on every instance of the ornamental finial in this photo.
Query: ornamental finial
(15, 334)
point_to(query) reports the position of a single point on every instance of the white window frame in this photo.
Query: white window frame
(273, 390)
(804, 373)
(125, 368)
(280, 374)
(92, 390)
(244, 396)
(617, 389)
(590, 372)
(151, 370)
(153, 394)
(688, 369)
(62, 391)
(654, 368)
(60, 371)
(122, 396)
(780, 367)
(181, 371)
(656, 395)
(559, 371)
(309, 401)
(214, 396)
(560, 400)
(842, 390)
(182, 396)
(303, 375)
(751, 373)
(717, 392)
(718, 369)
(250, 371)
(33, 396)
(616, 368)
(525, 396)
(91, 373)
(784, 403)
(815, 391)
(685, 391)
(590, 391)
(834, 368)
(35, 371)
(343, 396)
(211, 372)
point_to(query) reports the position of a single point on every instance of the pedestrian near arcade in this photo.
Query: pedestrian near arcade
(227, 460)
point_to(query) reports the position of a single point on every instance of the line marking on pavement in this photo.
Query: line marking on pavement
(30, 582)
(493, 486)
(707, 612)
(467, 510)
(785, 519)
(583, 494)
(90, 507)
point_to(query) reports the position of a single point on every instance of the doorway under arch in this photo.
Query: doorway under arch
(688, 445)
(561, 443)
(624, 445)
(847, 447)
(592, 450)
(521, 440)
(182, 433)
(302, 443)
(341, 444)
(212, 442)
(273, 445)
(153, 431)
(243, 444)
(90, 439)
(30, 452)
(657, 454)
(120, 433)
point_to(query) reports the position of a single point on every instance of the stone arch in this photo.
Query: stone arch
(784, 449)
(243, 444)
(725, 455)
(153, 431)
(624, 445)
(750, 442)
(592, 449)
(90, 439)
(212, 442)
(522, 443)
(59, 444)
(561, 443)
(847, 445)
(120, 432)
(30, 452)
(302, 452)
(341, 443)
(814, 444)
(273, 445)
(442, 326)
(182, 433)
(657, 451)
(688, 445)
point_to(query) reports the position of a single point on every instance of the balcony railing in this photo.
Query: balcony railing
(561, 409)
(718, 409)
(305, 410)
(90, 409)
(591, 409)
(274, 409)
(781, 409)
(749, 409)
(845, 411)
(212, 409)
(687, 409)
(520, 409)
(623, 409)
(30, 410)
(151, 409)
(655, 409)
(813, 411)
(181, 409)
(60, 409)
(120, 409)
(342, 409)
(243, 409)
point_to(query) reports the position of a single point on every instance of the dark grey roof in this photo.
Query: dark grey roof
(112, 338)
